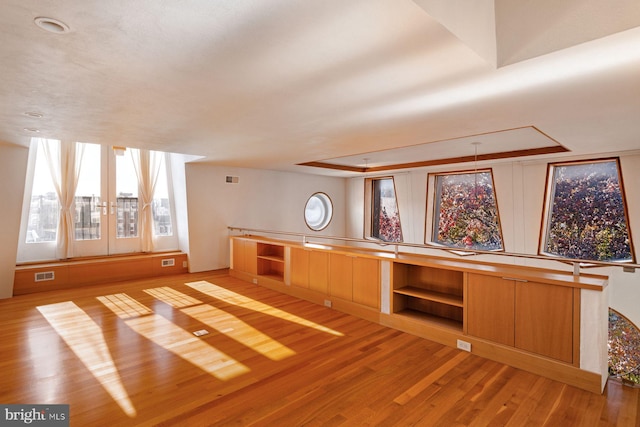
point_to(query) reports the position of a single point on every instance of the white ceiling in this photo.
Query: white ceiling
(275, 83)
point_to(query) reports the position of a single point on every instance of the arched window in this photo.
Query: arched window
(586, 213)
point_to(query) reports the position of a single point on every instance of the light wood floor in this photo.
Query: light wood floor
(124, 354)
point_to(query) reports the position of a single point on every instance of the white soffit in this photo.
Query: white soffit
(504, 32)
(522, 140)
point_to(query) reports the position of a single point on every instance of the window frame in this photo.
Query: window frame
(431, 228)
(369, 209)
(328, 214)
(549, 190)
(47, 251)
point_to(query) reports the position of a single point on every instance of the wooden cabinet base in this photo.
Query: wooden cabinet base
(310, 295)
(81, 272)
(526, 317)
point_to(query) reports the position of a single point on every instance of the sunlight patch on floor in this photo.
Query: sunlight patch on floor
(234, 298)
(124, 306)
(173, 338)
(86, 340)
(223, 322)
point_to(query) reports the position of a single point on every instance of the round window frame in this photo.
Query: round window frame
(327, 214)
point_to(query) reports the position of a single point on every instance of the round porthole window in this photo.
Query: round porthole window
(318, 211)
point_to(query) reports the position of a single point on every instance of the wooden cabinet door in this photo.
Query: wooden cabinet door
(299, 268)
(245, 255)
(319, 271)
(544, 320)
(490, 308)
(366, 282)
(341, 276)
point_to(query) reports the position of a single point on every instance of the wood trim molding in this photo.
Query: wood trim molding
(440, 162)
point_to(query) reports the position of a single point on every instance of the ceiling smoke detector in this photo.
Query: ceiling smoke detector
(51, 25)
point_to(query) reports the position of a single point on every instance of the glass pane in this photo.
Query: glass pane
(126, 196)
(161, 209)
(466, 212)
(386, 218)
(88, 208)
(318, 211)
(624, 342)
(44, 209)
(587, 213)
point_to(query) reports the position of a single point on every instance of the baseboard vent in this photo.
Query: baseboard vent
(43, 276)
(169, 262)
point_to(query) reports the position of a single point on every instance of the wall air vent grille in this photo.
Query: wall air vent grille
(43, 276)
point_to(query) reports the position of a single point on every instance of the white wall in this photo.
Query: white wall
(179, 184)
(261, 199)
(13, 168)
(520, 188)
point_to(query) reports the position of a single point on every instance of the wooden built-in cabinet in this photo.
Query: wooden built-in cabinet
(530, 316)
(341, 276)
(545, 320)
(430, 294)
(270, 259)
(310, 269)
(243, 253)
(524, 316)
(366, 282)
(356, 279)
(491, 308)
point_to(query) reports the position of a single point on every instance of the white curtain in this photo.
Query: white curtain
(65, 170)
(147, 165)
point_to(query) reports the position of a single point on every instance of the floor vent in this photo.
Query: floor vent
(169, 262)
(43, 276)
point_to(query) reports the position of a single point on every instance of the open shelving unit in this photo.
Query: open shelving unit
(428, 294)
(271, 261)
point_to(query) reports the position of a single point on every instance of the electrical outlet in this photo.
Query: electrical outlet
(327, 303)
(463, 345)
(255, 281)
(184, 264)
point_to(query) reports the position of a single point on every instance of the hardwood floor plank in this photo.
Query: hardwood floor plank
(125, 352)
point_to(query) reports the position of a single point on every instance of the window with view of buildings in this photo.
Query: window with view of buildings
(106, 203)
(466, 211)
(586, 213)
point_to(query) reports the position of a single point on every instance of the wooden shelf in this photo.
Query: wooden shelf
(424, 294)
(273, 276)
(272, 258)
(428, 294)
(430, 319)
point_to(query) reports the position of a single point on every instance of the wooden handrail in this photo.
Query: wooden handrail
(577, 263)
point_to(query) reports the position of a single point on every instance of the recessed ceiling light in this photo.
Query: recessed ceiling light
(33, 114)
(51, 25)
(34, 130)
